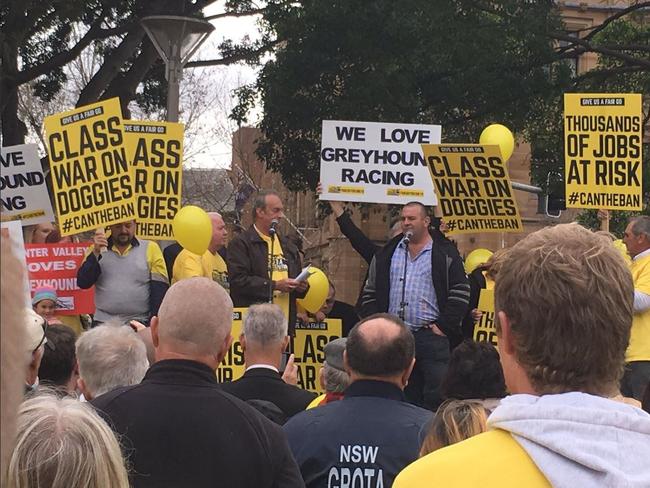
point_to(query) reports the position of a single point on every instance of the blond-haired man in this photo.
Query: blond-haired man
(564, 308)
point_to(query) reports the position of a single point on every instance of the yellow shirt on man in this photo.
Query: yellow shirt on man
(493, 459)
(639, 348)
(280, 272)
(190, 265)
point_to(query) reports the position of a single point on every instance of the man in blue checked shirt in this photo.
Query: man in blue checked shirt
(432, 300)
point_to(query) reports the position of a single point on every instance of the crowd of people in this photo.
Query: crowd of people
(409, 398)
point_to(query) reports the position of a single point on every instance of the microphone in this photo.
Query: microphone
(274, 224)
(407, 237)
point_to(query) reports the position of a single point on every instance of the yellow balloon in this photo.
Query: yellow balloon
(475, 258)
(192, 229)
(319, 287)
(620, 245)
(499, 135)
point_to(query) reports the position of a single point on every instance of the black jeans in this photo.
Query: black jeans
(636, 379)
(431, 360)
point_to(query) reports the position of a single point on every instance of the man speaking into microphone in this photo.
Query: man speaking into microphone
(261, 262)
(424, 283)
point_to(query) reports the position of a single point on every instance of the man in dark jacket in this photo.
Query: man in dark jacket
(263, 339)
(422, 281)
(178, 427)
(372, 433)
(255, 273)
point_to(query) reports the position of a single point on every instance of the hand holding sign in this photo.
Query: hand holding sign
(100, 242)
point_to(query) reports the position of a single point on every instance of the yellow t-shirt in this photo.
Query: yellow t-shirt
(280, 272)
(639, 348)
(189, 265)
(496, 459)
(216, 268)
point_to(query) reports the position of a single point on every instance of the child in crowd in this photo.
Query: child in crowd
(46, 302)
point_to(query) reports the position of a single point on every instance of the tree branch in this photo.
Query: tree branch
(628, 47)
(234, 59)
(604, 73)
(237, 14)
(111, 67)
(63, 57)
(125, 86)
(612, 18)
(601, 49)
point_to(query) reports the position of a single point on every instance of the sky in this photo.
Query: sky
(207, 137)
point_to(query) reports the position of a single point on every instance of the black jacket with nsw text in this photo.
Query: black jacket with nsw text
(179, 428)
(373, 417)
(449, 281)
(248, 270)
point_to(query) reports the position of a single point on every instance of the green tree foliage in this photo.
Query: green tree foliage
(463, 64)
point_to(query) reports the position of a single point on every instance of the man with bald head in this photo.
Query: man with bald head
(178, 427)
(211, 264)
(373, 433)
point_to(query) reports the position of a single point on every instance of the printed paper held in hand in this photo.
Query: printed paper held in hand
(304, 274)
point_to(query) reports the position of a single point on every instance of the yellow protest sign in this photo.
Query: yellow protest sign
(309, 349)
(91, 175)
(473, 188)
(602, 150)
(155, 151)
(485, 330)
(232, 367)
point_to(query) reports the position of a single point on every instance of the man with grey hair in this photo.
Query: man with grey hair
(332, 376)
(637, 370)
(262, 264)
(211, 264)
(109, 356)
(264, 338)
(180, 428)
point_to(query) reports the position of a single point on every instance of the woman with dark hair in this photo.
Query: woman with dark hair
(475, 373)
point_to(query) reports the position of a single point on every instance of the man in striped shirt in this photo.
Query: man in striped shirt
(422, 281)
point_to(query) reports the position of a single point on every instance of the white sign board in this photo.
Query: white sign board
(376, 162)
(22, 185)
